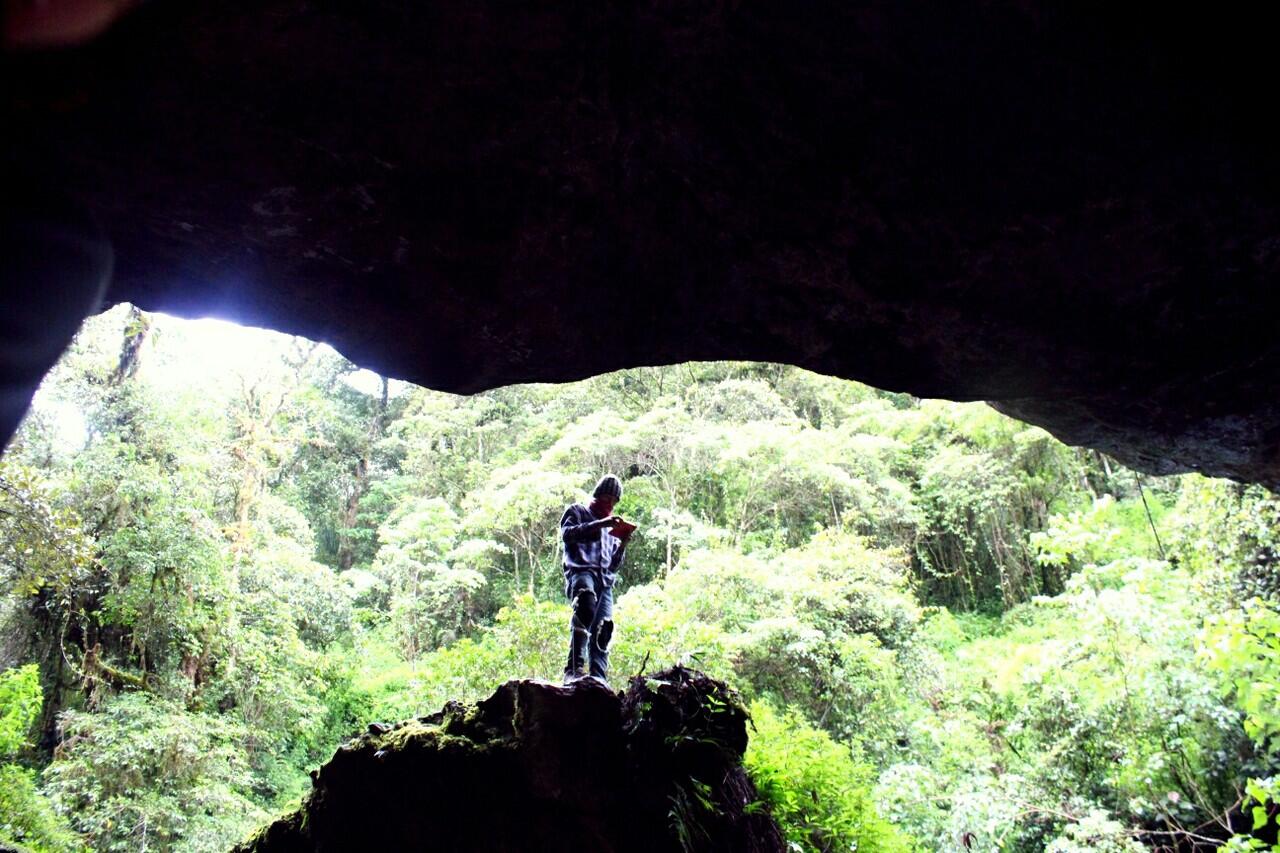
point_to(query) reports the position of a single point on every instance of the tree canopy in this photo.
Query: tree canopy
(223, 550)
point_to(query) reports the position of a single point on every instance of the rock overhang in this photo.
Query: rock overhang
(1070, 212)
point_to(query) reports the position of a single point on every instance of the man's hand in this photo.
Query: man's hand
(610, 522)
(620, 527)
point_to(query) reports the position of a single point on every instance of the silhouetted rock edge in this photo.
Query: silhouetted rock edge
(540, 766)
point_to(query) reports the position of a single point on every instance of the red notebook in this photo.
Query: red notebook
(622, 529)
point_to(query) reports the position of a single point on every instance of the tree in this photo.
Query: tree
(520, 506)
(433, 590)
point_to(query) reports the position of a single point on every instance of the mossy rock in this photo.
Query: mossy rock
(538, 766)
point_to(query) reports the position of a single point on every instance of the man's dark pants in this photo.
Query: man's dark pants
(591, 623)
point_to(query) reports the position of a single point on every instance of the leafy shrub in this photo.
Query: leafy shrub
(145, 772)
(1230, 534)
(1096, 832)
(19, 706)
(817, 790)
(1243, 648)
(26, 816)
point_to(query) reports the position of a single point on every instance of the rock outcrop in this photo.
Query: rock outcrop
(541, 767)
(1072, 210)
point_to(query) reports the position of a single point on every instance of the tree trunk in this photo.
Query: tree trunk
(667, 571)
(137, 328)
(351, 513)
(360, 482)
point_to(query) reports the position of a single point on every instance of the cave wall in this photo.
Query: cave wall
(1069, 210)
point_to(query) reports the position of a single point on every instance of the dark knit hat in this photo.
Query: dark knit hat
(610, 486)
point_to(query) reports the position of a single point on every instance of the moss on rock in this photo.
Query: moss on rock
(539, 766)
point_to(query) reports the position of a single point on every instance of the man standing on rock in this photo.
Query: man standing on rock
(594, 542)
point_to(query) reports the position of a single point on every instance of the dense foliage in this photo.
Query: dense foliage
(222, 551)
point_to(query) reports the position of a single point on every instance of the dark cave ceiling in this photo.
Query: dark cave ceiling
(1069, 210)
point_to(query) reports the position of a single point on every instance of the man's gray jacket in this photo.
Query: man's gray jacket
(587, 549)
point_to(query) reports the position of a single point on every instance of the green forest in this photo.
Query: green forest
(223, 551)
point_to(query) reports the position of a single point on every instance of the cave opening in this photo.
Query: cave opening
(228, 550)
(952, 631)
